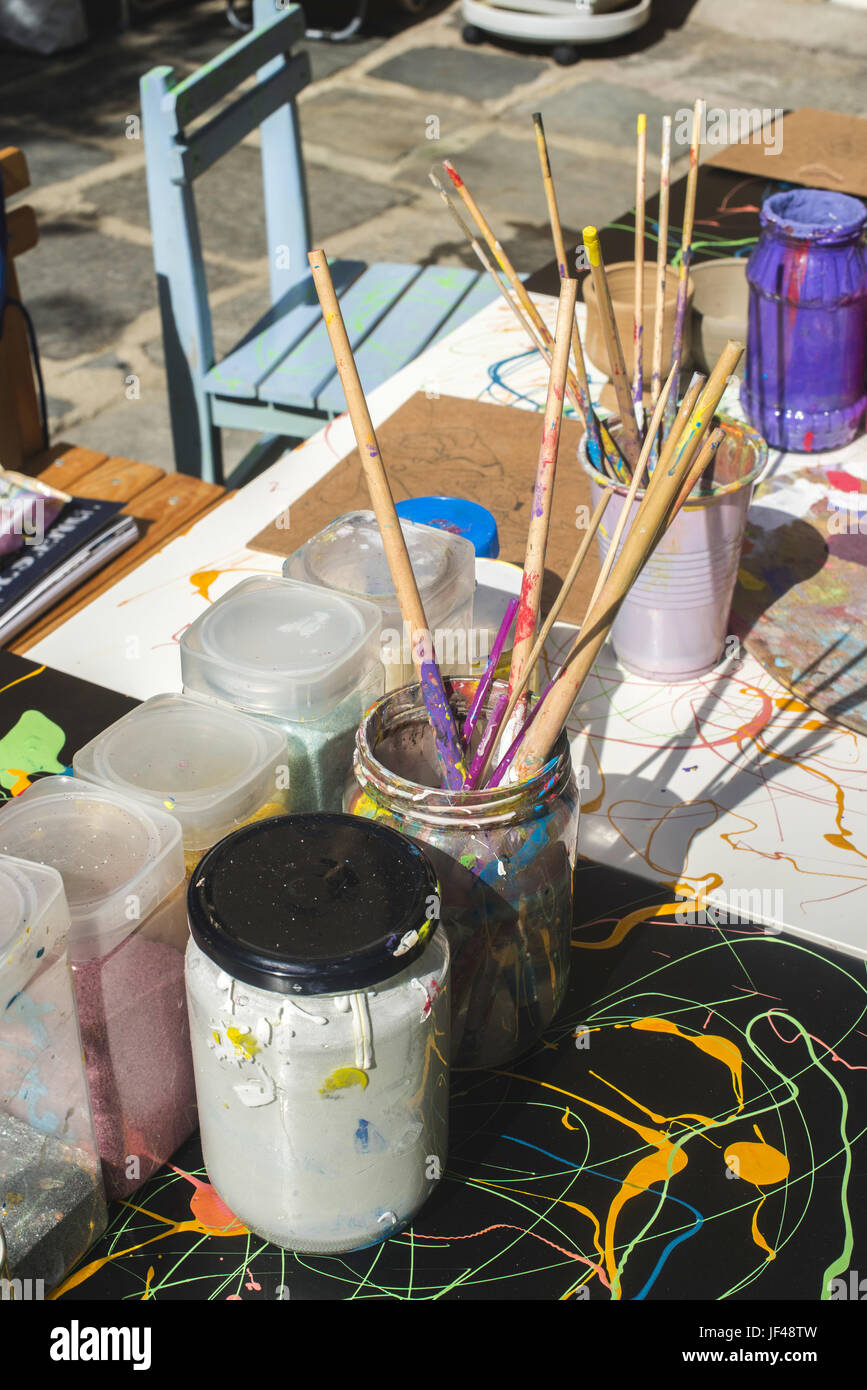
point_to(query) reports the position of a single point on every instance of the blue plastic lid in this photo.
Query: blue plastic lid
(457, 515)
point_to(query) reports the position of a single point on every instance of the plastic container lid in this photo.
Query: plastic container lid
(274, 646)
(34, 919)
(118, 859)
(457, 516)
(496, 583)
(313, 904)
(348, 556)
(210, 766)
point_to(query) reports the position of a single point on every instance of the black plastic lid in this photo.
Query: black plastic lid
(312, 904)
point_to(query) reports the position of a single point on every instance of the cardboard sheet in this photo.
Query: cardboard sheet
(819, 149)
(460, 448)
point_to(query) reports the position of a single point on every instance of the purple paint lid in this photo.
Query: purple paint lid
(814, 214)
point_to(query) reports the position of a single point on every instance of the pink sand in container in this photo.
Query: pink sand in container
(136, 1035)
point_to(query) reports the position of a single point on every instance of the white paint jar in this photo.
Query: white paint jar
(319, 1015)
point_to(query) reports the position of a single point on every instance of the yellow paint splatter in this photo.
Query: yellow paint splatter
(244, 1044)
(759, 1164)
(202, 580)
(343, 1077)
(215, 1035)
(712, 1043)
(149, 1277)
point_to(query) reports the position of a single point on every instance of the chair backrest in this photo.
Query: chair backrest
(20, 421)
(178, 151)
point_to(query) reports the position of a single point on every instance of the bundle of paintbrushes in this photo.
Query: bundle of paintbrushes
(616, 457)
(517, 738)
(525, 736)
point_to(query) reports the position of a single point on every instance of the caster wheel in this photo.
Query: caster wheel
(564, 54)
(470, 34)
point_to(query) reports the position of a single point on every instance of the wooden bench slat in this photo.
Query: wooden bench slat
(118, 480)
(307, 369)
(64, 472)
(14, 174)
(22, 231)
(405, 330)
(239, 373)
(20, 420)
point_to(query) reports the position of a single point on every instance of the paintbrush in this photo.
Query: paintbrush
(591, 424)
(638, 309)
(539, 644)
(631, 442)
(654, 514)
(661, 268)
(448, 749)
(543, 492)
(685, 250)
(578, 394)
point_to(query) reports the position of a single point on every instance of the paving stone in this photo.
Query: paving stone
(481, 76)
(51, 158)
(381, 128)
(56, 408)
(230, 207)
(503, 176)
(328, 58)
(593, 110)
(83, 288)
(141, 430)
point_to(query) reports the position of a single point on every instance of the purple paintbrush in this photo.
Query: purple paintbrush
(505, 762)
(489, 737)
(487, 679)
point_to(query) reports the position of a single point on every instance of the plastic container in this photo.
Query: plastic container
(210, 767)
(504, 858)
(459, 517)
(122, 866)
(720, 307)
(348, 556)
(672, 624)
(305, 660)
(804, 379)
(621, 283)
(318, 995)
(51, 1198)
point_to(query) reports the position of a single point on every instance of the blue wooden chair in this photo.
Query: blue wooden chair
(279, 378)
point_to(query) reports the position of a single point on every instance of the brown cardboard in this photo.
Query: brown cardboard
(459, 448)
(820, 149)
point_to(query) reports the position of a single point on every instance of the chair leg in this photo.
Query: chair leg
(197, 440)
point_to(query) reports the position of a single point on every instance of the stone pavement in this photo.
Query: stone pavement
(378, 114)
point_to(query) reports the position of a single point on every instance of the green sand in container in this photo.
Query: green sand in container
(320, 756)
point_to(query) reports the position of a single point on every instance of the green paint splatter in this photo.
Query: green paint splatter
(31, 745)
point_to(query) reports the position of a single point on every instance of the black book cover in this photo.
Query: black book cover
(81, 519)
(45, 717)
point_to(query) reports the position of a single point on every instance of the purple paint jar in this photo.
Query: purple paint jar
(804, 378)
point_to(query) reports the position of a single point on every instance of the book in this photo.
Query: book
(84, 537)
